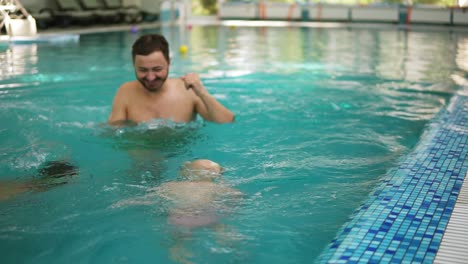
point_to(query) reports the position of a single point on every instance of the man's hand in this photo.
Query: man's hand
(192, 81)
(206, 105)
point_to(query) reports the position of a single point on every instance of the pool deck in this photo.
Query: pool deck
(206, 21)
(418, 213)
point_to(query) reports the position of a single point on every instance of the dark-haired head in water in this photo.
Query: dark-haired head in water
(50, 174)
(54, 173)
(58, 169)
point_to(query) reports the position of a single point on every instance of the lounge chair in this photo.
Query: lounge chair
(70, 12)
(151, 9)
(129, 14)
(43, 15)
(103, 15)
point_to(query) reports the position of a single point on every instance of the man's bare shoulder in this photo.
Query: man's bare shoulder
(177, 84)
(128, 86)
(127, 90)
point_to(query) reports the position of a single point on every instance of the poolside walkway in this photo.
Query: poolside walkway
(212, 20)
(453, 249)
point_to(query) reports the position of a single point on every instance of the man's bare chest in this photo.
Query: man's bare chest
(177, 109)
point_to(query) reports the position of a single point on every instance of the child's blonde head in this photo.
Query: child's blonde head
(201, 169)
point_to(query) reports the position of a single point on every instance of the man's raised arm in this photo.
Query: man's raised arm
(208, 107)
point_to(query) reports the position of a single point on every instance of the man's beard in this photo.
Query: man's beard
(154, 85)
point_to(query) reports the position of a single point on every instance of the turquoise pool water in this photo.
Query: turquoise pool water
(322, 115)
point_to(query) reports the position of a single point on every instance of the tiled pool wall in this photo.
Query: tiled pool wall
(404, 219)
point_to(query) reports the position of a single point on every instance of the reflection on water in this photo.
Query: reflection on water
(390, 54)
(17, 60)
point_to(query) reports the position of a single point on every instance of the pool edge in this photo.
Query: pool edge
(406, 217)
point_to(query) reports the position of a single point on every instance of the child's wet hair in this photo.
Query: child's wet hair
(58, 169)
(53, 173)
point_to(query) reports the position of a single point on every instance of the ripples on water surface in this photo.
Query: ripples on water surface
(322, 115)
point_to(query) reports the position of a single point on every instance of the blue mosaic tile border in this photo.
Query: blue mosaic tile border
(405, 218)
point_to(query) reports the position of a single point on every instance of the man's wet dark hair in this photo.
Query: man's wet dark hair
(58, 169)
(148, 44)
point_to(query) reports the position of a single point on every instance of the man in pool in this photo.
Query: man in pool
(155, 96)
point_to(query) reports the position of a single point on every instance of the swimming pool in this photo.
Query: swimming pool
(322, 116)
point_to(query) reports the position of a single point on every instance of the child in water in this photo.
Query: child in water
(51, 174)
(199, 198)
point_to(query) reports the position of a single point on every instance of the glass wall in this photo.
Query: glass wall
(210, 7)
(360, 2)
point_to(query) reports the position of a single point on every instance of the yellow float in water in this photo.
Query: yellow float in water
(183, 49)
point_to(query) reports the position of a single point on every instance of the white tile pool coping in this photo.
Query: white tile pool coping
(454, 246)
